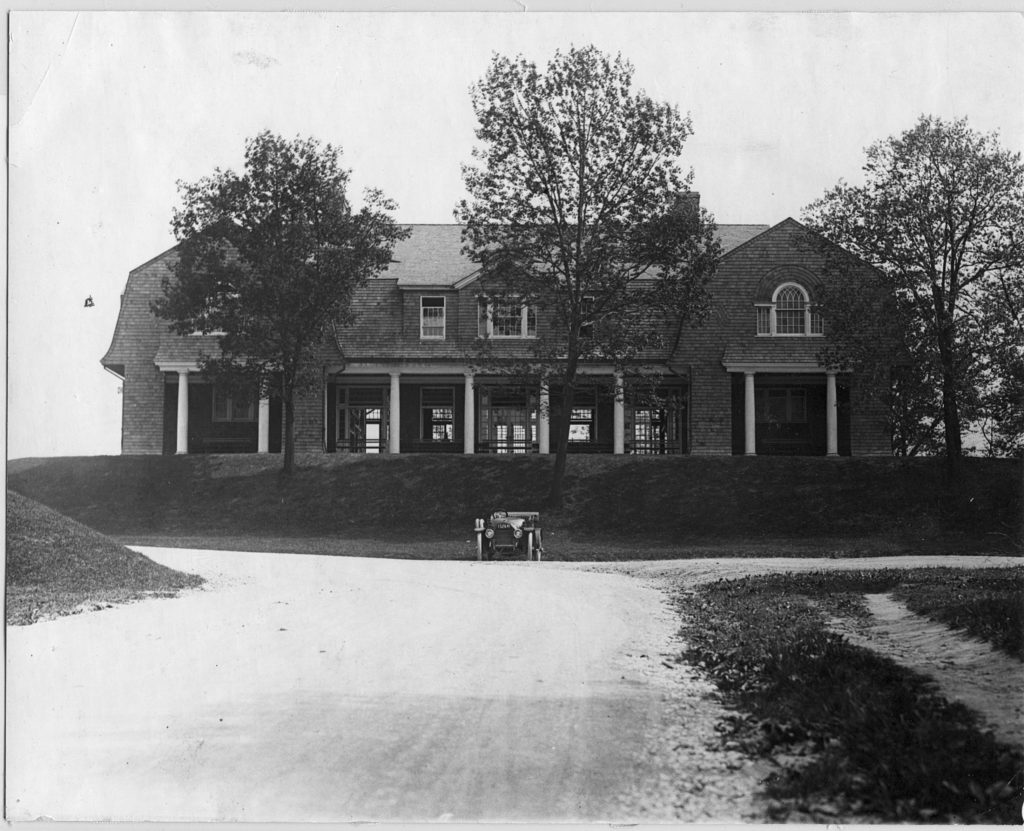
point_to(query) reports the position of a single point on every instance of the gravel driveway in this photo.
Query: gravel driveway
(335, 689)
(316, 688)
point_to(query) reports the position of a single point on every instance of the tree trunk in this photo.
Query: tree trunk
(950, 402)
(562, 445)
(951, 424)
(288, 402)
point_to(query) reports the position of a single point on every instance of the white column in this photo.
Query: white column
(619, 418)
(544, 421)
(394, 416)
(469, 421)
(263, 431)
(182, 447)
(831, 419)
(749, 422)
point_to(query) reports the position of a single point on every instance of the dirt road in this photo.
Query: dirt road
(314, 688)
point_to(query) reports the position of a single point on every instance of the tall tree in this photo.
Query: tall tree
(941, 217)
(269, 260)
(578, 207)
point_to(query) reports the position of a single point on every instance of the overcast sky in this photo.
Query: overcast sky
(108, 110)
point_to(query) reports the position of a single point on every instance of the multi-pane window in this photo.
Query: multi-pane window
(781, 405)
(508, 420)
(432, 318)
(764, 320)
(789, 313)
(658, 428)
(233, 407)
(437, 409)
(583, 417)
(581, 424)
(506, 320)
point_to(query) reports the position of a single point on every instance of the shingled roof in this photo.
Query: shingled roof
(758, 350)
(432, 254)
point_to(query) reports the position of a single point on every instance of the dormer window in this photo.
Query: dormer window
(789, 313)
(432, 318)
(506, 319)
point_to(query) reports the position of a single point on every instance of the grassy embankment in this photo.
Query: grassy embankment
(859, 734)
(56, 566)
(615, 507)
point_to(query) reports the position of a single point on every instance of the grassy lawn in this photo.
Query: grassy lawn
(857, 733)
(615, 507)
(56, 566)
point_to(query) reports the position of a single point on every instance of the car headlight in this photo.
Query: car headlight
(517, 533)
(489, 533)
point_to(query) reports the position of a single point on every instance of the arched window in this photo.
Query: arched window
(789, 313)
(790, 305)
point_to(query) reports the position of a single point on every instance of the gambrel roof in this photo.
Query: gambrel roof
(430, 258)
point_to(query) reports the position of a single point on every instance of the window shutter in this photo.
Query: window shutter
(481, 317)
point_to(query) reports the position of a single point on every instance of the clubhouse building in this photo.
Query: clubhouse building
(746, 381)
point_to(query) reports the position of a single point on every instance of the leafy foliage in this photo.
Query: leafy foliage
(269, 260)
(939, 216)
(579, 208)
(870, 737)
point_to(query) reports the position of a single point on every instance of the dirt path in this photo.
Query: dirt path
(338, 689)
(965, 669)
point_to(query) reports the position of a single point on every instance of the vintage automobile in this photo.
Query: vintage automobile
(509, 533)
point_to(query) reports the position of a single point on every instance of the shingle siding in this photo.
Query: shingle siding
(730, 333)
(136, 340)
(710, 411)
(309, 422)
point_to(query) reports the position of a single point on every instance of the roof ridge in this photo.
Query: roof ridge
(462, 224)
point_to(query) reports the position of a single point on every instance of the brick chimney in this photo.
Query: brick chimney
(688, 204)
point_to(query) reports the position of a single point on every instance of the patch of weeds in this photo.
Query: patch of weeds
(855, 733)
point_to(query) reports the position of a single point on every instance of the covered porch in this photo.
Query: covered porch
(201, 418)
(423, 408)
(793, 409)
